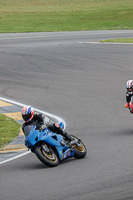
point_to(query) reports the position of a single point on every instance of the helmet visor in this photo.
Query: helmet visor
(129, 89)
(26, 117)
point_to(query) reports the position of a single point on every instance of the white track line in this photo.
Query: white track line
(22, 105)
(105, 43)
(15, 157)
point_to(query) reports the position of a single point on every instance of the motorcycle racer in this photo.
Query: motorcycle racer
(129, 92)
(41, 121)
(129, 95)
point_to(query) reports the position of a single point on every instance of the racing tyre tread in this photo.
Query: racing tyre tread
(44, 160)
(80, 153)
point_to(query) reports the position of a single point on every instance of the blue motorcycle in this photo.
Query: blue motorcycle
(51, 148)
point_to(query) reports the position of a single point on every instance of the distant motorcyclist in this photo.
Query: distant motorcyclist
(129, 94)
(41, 121)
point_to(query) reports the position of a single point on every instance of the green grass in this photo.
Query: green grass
(9, 129)
(119, 40)
(65, 15)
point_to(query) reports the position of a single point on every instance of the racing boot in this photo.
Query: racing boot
(67, 136)
(126, 105)
(56, 128)
(71, 140)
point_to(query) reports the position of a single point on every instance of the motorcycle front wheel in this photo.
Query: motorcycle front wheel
(80, 149)
(46, 155)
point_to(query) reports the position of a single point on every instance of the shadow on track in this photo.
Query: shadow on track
(40, 166)
(123, 132)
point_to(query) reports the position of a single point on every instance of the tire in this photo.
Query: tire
(80, 152)
(46, 155)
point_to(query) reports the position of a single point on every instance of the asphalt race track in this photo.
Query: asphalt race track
(83, 83)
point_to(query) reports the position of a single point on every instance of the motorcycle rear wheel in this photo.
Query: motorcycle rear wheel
(80, 151)
(46, 155)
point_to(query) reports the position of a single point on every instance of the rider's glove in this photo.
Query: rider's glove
(43, 127)
(46, 120)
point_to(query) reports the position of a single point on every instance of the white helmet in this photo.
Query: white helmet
(129, 86)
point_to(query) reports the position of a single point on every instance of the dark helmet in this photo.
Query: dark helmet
(27, 113)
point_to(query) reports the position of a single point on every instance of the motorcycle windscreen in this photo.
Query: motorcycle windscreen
(27, 129)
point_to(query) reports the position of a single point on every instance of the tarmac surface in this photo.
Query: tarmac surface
(83, 83)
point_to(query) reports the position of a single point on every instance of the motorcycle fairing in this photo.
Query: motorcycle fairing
(50, 138)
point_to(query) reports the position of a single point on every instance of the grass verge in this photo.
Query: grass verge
(65, 15)
(9, 129)
(120, 40)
